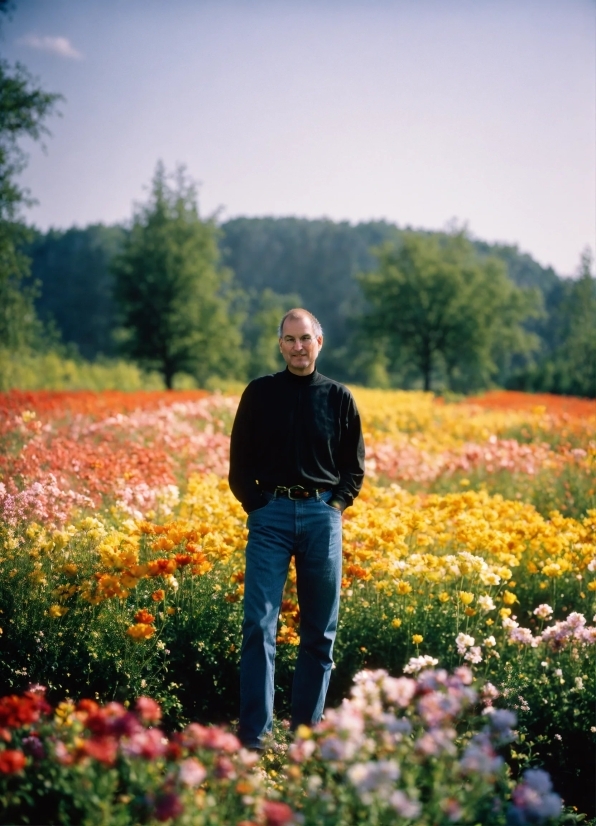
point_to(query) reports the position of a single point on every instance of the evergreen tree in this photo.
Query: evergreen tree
(173, 296)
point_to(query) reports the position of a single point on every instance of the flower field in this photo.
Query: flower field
(469, 577)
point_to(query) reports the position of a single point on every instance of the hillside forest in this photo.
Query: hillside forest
(367, 283)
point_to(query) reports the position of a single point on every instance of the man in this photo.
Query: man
(296, 462)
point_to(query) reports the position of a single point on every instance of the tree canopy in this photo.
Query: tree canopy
(174, 309)
(436, 305)
(24, 108)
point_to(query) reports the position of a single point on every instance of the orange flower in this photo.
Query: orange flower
(141, 631)
(182, 560)
(357, 571)
(162, 567)
(144, 616)
(158, 595)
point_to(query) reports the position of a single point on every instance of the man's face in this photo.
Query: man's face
(299, 346)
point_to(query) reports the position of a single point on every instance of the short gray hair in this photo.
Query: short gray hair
(299, 312)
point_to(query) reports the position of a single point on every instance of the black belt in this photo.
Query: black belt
(296, 491)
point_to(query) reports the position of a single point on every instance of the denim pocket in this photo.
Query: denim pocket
(330, 507)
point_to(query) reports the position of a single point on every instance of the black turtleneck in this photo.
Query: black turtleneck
(296, 430)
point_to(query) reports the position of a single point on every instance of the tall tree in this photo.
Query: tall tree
(24, 108)
(434, 303)
(173, 296)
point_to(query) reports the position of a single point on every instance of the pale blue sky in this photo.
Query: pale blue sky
(415, 111)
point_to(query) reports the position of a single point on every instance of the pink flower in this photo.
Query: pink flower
(399, 691)
(148, 710)
(191, 772)
(147, 743)
(196, 736)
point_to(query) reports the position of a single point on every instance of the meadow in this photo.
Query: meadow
(465, 656)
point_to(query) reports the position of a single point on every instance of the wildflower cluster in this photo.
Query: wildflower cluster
(415, 749)
(122, 555)
(83, 756)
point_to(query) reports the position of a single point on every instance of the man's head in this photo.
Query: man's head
(300, 340)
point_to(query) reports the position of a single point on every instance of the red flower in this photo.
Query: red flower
(103, 749)
(277, 814)
(11, 761)
(87, 706)
(16, 712)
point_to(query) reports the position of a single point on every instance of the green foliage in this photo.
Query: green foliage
(318, 260)
(310, 263)
(28, 369)
(23, 109)
(172, 294)
(76, 284)
(571, 367)
(435, 304)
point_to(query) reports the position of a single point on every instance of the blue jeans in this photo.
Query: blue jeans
(309, 529)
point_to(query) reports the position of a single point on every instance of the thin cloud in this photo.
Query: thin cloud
(55, 45)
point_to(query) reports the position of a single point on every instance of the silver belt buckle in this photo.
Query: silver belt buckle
(295, 487)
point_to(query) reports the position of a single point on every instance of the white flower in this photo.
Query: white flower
(486, 603)
(543, 611)
(416, 664)
(463, 642)
(490, 642)
(474, 655)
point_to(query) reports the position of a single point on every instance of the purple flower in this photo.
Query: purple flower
(167, 806)
(34, 747)
(533, 799)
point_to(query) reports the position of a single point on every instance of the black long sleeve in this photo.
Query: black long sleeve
(296, 430)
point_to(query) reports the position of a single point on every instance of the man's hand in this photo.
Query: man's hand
(337, 504)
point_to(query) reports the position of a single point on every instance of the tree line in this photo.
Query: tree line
(187, 295)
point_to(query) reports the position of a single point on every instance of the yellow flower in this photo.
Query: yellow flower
(417, 639)
(509, 598)
(505, 612)
(396, 622)
(444, 596)
(303, 732)
(466, 597)
(403, 587)
(57, 611)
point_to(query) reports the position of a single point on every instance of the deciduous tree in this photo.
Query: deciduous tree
(171, 290)
(24, 108)
(435, 303)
